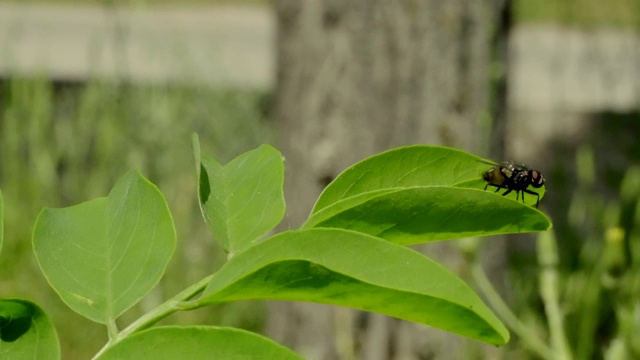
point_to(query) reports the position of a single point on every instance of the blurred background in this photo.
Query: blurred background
(90, 89)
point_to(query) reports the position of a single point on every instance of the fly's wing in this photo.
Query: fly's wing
(488, 162)
(491, 175)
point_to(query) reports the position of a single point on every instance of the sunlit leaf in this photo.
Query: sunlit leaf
(195, 343)
(418, 194)
(104, 255)
(411, 166)
(242, 200)
(421, 214)
(347, 268)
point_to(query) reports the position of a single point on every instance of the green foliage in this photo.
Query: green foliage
(197, 342)
(420, 193)
(582, 13)
(403, 168)
(601, 294)
(104, 255)
(400, 215)
(340, 267)
(242, 200)
(406, 168)
(63, 144)
(26, 332)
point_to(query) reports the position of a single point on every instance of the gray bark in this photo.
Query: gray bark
(356, 78)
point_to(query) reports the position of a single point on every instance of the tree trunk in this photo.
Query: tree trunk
(355, 78)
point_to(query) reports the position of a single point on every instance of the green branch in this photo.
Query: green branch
(179, 302)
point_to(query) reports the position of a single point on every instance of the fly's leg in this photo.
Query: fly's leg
(532, 193)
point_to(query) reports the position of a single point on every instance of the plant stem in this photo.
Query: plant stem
(548, 261)
(176, 303)
(528, 337)
(112, 329)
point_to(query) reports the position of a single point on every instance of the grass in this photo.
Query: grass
(580, 13)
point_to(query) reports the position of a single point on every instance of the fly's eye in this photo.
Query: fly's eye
(536, 178)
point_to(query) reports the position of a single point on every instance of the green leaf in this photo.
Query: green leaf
(416, 194)
(104, 255)
(347, 268)
(26, 332)
(420, 214)
(197, 342)
(242, 200)
(1, 221)
(411, 166)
